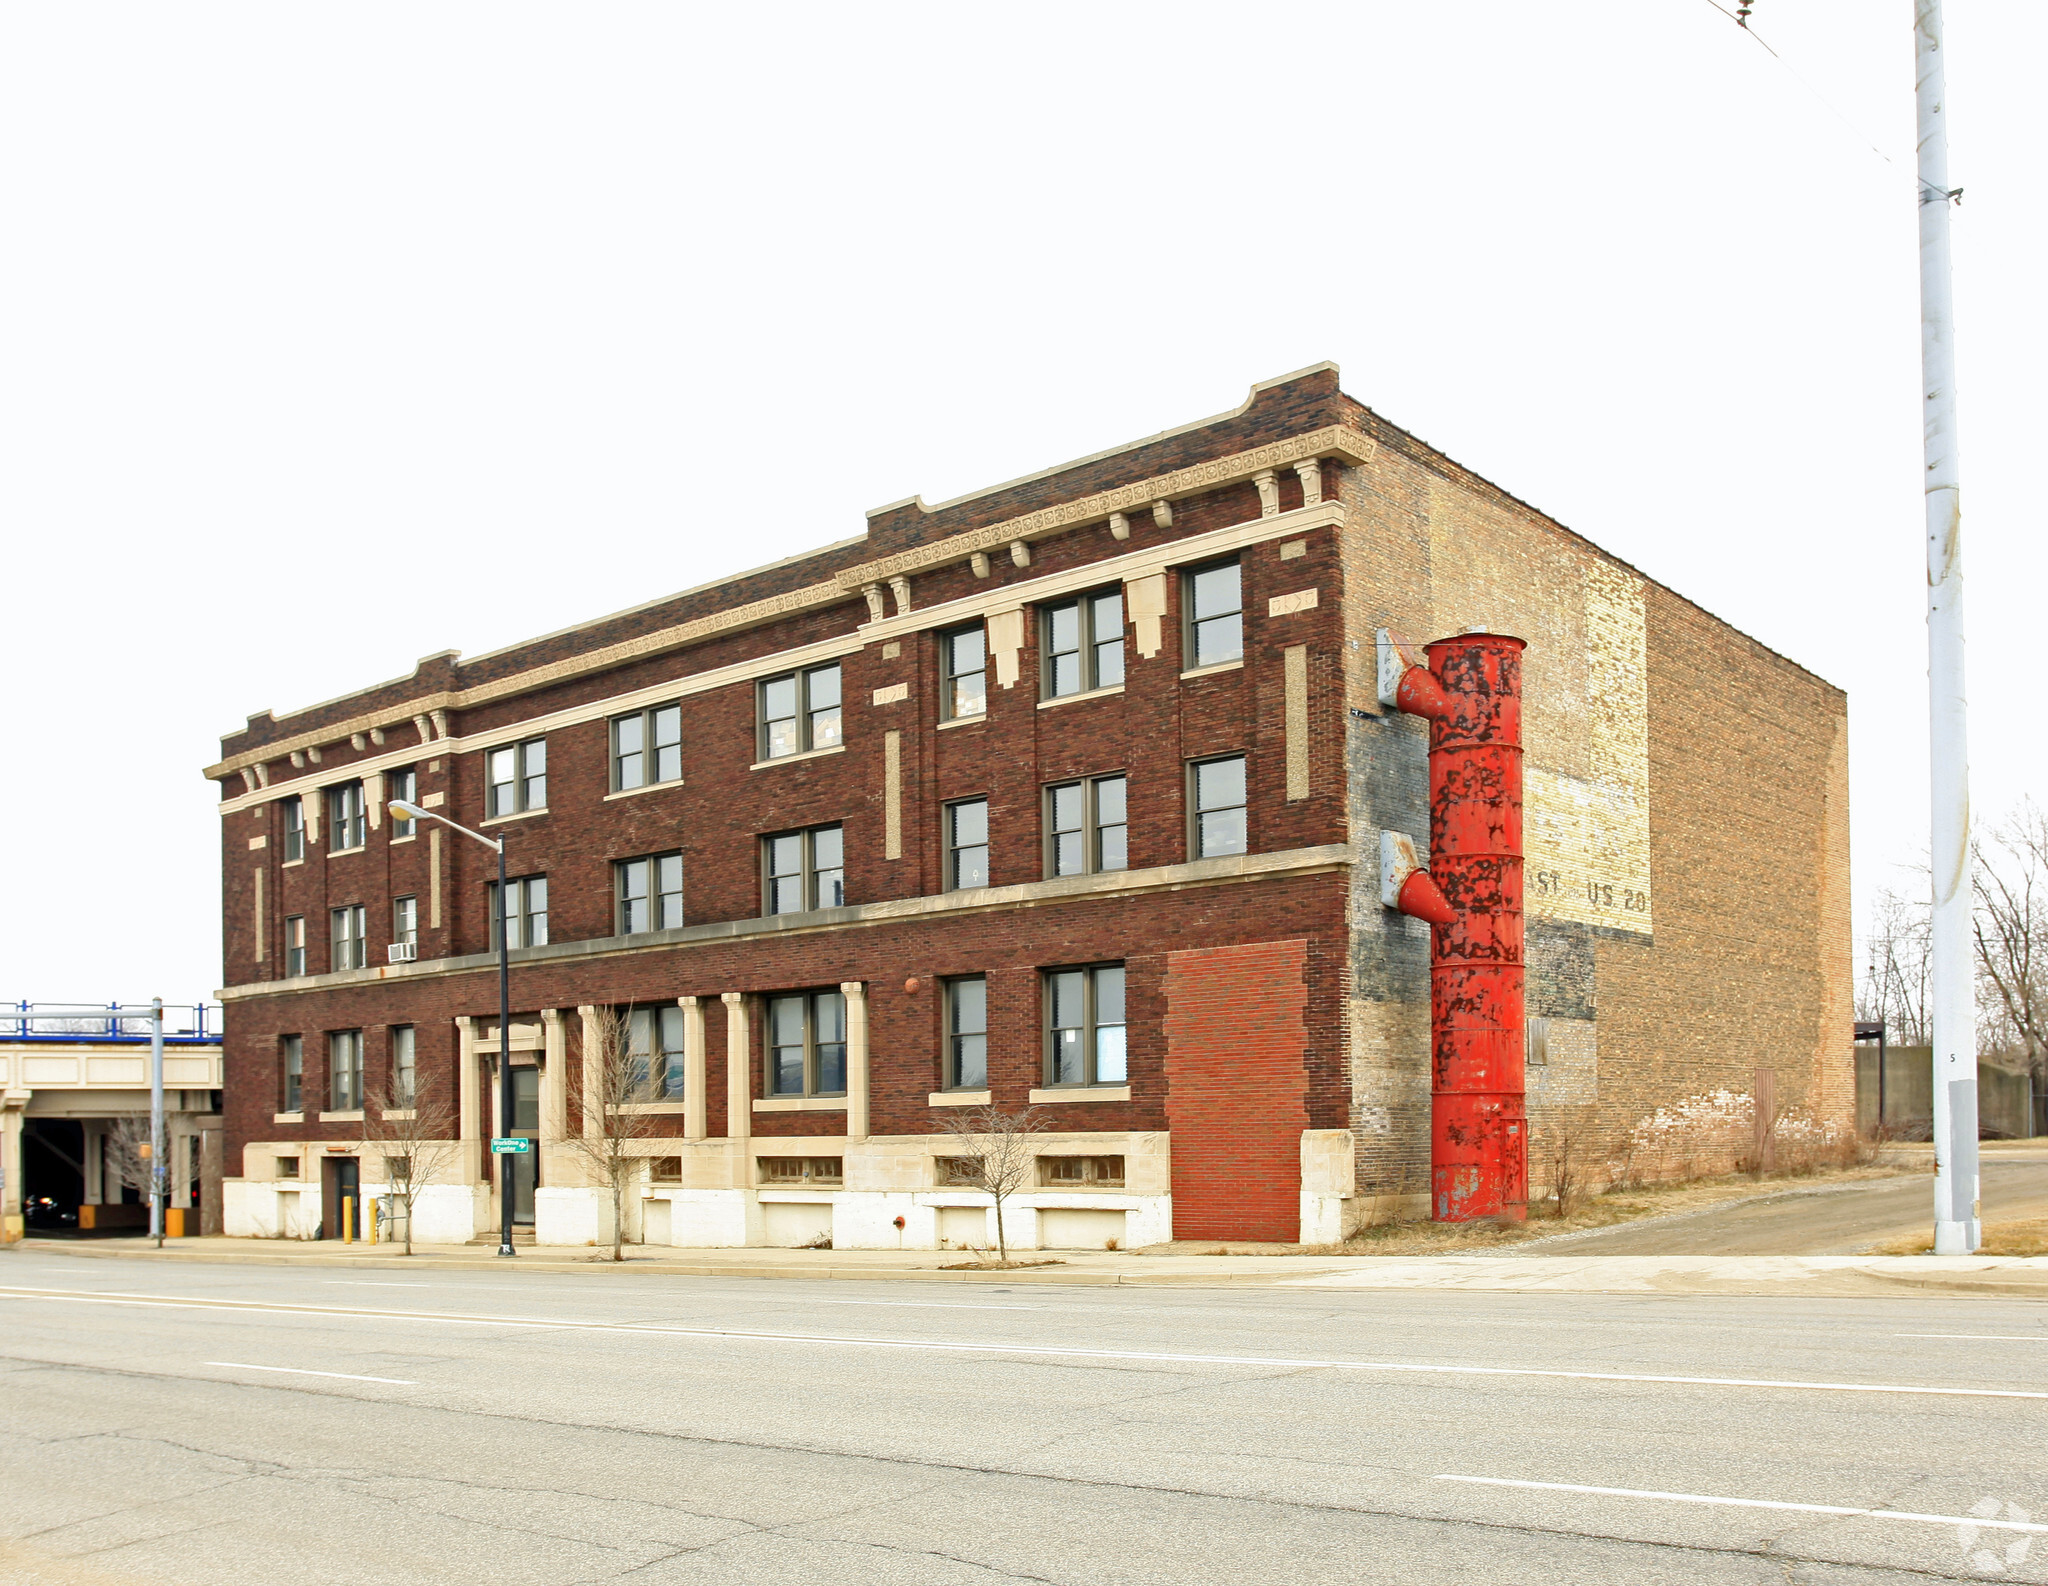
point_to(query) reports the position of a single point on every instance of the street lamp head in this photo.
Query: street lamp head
(405, 811)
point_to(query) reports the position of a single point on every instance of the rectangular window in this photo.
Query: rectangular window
(807, 1044)
(291, 1095)
(526, 907)
(1085, 828)
(345, 814)
(287, 1167)
(666, 1170)
(967, 844)
(1084, 1013)
(804, 870)
(351, 944)
(801, 1169)
(647, 747)
(294, 829)
(1213, 598)
(1084, 644)
(404, 1065)
(963, 667)
(405, 919)
(650, 893)
(967, 1033)
(404, 784)
(1081, 1172)
(345, 1070)
(654, 1049)
(516, 778)
(1218, 803)
(958, 1170)
(295, 945)
(800, 712)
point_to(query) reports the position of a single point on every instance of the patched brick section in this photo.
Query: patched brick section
(1237, 1088)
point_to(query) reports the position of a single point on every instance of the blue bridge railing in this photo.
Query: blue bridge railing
(186, 1023)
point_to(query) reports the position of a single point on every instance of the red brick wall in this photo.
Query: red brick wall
(1236, 1088)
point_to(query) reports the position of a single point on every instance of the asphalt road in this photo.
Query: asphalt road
(1838, 1220)
(225, 1424)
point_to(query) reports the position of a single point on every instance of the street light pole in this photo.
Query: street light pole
(157, 1185)
(402, 809)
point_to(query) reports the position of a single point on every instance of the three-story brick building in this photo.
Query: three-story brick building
(1069, 792)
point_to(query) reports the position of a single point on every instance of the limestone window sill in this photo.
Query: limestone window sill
(290, 864)
(965, 721)
(1213, 668)
(343, 853)
(287, 1117)
(958, 1098)
(415, 837)
(799, 1104)
(1071, 1093)
(649, 787)
(398, 1114)
(520, 815)
(353, 1116)
(791, 759)
(1074, 699)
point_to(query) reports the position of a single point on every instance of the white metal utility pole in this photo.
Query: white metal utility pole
(1956, 1229)
(158, 1168)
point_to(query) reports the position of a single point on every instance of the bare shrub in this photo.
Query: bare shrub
(416, 1136)
(1567, 1140)
(992, 1151)
(615, 1085)
(138, 1160)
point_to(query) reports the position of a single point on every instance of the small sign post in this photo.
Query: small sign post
(514, 1147)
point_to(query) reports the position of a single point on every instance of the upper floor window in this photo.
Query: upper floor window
(1213, 598)
(650, 893)
(295, 944)
(967, 843)
(404, 1065)
(294, 829)
(291, 1065)
(654, 1051)
(405, 919)
(1084, 1026)
(963, 669)
(1218, 824)
(1084, 644)
(350, 940)
(526, 911)
(647, 747)
(804, 870)
(404, 784)
(800, 712)
(1085, 830)
(807, 1044)
(345, 813)
(967, 1033)
(517, 777)
(345, 1070)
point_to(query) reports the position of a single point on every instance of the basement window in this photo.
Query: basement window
(666, 1170)
(801, 1169)
(1081, 1172)
(287, 1167)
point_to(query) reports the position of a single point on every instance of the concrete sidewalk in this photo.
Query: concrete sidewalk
(1807, 1276)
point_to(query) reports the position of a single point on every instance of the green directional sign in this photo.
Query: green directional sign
(511, 1147)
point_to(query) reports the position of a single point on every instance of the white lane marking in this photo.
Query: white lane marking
(942, 1346)
(367, 1283)
(1750, 1503)
(2015, 1338)
(345, 1376)
(926, 1305)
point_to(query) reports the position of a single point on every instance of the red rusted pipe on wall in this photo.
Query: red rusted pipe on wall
(1471, 695)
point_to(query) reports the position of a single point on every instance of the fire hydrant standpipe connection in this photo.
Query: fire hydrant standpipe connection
(1471, 695)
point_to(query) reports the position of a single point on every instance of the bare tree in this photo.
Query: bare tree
(2012, 935)
(1568, 1137)
(992, 1152)
(416, 1135)
(1896, 984)
(137, 1160)
(615, 1084)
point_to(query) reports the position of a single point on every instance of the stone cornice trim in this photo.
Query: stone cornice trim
(978, 900)
(1347, 445)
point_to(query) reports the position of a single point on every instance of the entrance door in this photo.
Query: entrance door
(340, 1178)
(525, 1125)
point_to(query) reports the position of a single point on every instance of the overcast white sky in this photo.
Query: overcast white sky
(339, 335)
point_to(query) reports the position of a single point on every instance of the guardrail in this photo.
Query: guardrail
(187, 1023)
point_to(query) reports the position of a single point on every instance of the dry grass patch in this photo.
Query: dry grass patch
(2028, 1237)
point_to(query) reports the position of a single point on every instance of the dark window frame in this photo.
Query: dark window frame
(520, 910)
(1091, 827)
(949, 704)
(402, 1078)
(951, 849)
(1190, 624)
(525, 753)
(1091, 1026)
(1196, 847)
(809, 1170)
(652, 896)
(348, 949)
(348, 820)
(294, 812)
(952, 1077)
(1094, 1174)
(405, 917)
(649, 751)
(807, 714)
(294, 951)
(660, 1023)
(403, 783)
(1089, 645)
(291, 1073)
(809, 872)
(350, 1043)
(770, 1070)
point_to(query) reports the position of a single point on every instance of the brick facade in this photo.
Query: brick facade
(1341, 525)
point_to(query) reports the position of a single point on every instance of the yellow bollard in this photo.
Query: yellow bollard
(348, 1219)
(372, 1229)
